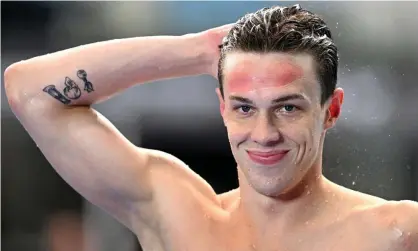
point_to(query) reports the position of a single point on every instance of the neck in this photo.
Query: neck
(295, 208)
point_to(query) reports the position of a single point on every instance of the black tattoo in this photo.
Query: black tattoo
(51, 90)
(88, 86)
(71, 91)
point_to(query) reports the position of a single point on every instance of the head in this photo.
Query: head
(278, 95)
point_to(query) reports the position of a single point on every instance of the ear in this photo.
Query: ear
(221, 101)
(334, 108)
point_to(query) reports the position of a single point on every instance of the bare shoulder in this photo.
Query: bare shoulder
(403, 214)
(397, 221)
(377, 223)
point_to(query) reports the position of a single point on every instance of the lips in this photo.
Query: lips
(267, 158)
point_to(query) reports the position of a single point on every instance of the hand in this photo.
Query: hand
(213, 38)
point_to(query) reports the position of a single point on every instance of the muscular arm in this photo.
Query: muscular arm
(51, 94)
(87, 74)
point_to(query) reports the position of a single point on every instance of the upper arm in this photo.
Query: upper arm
(92, 156)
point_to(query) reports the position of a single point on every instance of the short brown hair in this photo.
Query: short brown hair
(285, 29)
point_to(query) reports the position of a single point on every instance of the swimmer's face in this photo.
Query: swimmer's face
(273, 114)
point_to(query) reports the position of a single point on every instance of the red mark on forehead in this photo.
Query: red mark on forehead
(249, 75)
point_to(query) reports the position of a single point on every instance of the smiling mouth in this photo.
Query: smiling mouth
(267, 158)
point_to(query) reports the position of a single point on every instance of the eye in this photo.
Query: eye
(243, 109)
(288, 108)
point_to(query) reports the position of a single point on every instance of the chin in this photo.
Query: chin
(271, 186)
(272, 189)
(277, 183)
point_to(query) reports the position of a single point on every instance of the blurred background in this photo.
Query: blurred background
(373, 148)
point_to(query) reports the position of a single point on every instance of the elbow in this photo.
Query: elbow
(12, 80)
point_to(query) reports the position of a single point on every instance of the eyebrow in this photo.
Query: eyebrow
(277, 100)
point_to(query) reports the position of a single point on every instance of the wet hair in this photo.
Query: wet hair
(289, 30)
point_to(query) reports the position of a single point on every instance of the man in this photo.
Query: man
(277, 70)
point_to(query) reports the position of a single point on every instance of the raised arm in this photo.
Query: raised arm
(51, 96)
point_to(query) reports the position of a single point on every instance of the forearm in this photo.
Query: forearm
(86, 74)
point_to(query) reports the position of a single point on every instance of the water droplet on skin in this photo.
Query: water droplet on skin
(397, 232)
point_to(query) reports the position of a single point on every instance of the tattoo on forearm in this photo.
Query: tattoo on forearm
(51, 90)
(71, 90)
(88, 86)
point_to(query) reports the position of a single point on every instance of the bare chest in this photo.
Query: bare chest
(203, 234)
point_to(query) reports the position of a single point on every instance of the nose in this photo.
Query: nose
(265, 132)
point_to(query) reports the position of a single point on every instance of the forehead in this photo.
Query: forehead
(246, 72)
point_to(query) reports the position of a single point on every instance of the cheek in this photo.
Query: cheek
(305, 132)
(237, 129)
